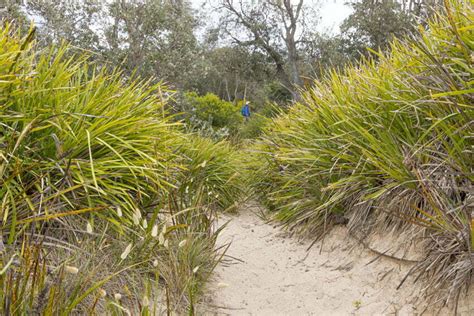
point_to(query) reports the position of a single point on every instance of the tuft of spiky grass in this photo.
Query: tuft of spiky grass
(94, 180)
(76, 139)
(213, 168)
(386, 144)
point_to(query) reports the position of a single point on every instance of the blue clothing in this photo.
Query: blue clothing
(245, 110)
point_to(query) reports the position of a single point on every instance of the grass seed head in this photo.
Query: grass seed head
(89, 228)
(161, 239)
(136, 219)
(71, 269)
(154, 231)
(126, 252)
(102, 293)
(146, 301)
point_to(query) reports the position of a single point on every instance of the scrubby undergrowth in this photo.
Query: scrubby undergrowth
(386, 145)
(105, 204)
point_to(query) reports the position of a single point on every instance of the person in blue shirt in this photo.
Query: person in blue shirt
(246, 111)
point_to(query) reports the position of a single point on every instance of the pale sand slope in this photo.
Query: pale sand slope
(268, 273)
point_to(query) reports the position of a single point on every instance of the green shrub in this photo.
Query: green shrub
(76, 139)
(213, 168)
(91, 170)
(210, 108)
(387, 144)
(261, 117)
(252, 128)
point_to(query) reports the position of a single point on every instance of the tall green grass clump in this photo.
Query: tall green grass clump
(214, 169)
(96, 212)
(387, 144)
(75, 138)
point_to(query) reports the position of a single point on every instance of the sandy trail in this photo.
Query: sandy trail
(268, 273)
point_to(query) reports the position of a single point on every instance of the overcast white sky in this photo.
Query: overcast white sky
(332, 12)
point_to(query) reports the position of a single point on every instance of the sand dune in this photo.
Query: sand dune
(269, 273)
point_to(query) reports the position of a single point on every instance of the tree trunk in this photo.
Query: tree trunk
(293, 63)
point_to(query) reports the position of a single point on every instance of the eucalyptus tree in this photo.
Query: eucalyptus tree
(10, 12)
(76, 22)
(155, 38)
(374, 23)
(275, 27)
(152, 38)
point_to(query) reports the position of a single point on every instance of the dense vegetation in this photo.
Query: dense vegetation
(262, 53)
(106, 205)
(386, 145)
(110, 184)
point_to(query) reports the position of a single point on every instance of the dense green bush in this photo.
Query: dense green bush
(387, 144)
(252, 128)
(213, 168)
(91, 170)
(210, 108)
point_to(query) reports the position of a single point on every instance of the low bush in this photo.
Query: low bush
(213, 168)
(220, 114)
(92, 180)
(387, 144)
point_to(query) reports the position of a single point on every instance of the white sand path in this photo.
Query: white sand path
(268, 273)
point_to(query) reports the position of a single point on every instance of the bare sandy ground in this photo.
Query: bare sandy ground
(268, 273)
